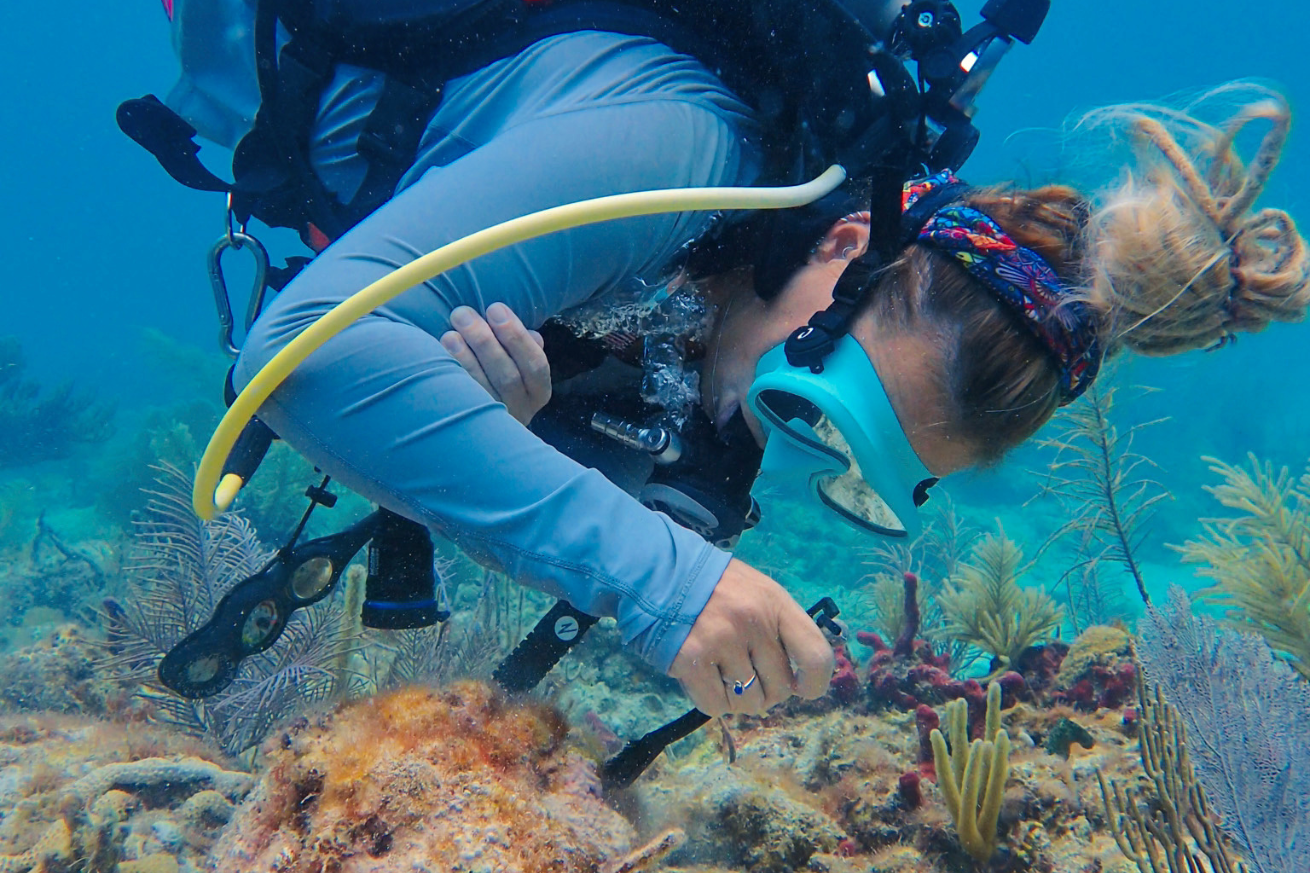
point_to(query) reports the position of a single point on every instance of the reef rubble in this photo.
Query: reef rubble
(87, 795)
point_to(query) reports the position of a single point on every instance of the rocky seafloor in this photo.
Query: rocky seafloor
(459, 778)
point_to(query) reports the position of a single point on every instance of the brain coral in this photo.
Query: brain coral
(451, 779)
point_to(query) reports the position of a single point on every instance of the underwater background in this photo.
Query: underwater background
(105, 290)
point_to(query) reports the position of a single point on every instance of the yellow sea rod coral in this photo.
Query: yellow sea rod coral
(972, 777)
(451, 778)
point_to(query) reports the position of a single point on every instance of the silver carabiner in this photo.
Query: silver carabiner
(236, 239)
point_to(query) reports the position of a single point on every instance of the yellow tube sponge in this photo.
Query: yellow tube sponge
(972, 777)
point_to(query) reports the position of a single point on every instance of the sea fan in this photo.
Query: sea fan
(182, 568)
(1247, 716)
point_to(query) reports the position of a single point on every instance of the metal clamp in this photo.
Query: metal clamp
(236, 239)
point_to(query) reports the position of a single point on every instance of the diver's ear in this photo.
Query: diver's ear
(844, 241)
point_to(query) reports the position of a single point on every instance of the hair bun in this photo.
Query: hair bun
(1179, 260)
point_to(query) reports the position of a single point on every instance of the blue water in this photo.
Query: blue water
(101, 249)
(98, 243)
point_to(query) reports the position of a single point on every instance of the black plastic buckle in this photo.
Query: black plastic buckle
(823, 614)
(167, 136)
(808, 346)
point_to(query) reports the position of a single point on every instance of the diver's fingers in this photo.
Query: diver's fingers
(810, 653)
(775, 676)
(460, 351)
(500, 369)
(526, 348)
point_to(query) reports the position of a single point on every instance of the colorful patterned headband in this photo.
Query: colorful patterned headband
(1019, 278)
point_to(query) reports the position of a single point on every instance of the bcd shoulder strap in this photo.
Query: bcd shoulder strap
(814, 106)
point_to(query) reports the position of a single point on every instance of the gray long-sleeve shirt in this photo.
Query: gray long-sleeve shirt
(385, 409)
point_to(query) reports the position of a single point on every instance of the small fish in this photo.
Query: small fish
(648, 855)
(729, 745)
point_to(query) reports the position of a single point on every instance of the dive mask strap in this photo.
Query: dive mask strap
(810, 344)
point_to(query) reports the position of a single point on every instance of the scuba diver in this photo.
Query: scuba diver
(899, 328)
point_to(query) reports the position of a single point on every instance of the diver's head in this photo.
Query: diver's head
(1171, 258)
(968, 380)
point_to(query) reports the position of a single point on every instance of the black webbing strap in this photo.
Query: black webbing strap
(167, 136)
(809, 345)
(273, 177)
(390, 139)
(275, 181)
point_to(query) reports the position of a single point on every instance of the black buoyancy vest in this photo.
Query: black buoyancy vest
(803, 65)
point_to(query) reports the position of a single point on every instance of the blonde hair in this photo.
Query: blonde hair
(1172, 258)
(1178, 259)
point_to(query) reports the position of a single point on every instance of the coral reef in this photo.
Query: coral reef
(420, 779)
(1065, 733)
(972, 776)
(57, 674)
(935, 559)
(53, 572)
(986, 607)
(908, 672)
(845, 683)
(830, 792)
(1165, 824)
(1260, 559)
(920, 677)
(1098, 670)
(887, 594)
(84, 795)
(36, 425)
(909, 675)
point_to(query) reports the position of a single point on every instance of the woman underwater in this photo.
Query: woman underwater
(996, 306)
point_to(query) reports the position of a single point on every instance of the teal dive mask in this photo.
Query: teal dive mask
(835, 434)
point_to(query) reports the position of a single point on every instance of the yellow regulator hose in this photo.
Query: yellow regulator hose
(210, 496)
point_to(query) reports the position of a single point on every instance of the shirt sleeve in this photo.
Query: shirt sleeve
(386, 410)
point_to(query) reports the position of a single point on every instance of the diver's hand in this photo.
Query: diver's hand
(503, 356)
(751, 625)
